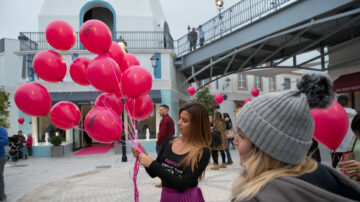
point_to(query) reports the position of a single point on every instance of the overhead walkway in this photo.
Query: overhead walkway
(272, 37)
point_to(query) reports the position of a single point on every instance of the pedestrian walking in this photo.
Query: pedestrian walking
(182, 160)
(274, 134)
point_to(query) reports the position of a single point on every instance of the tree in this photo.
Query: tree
(4, 105)
(206, 99)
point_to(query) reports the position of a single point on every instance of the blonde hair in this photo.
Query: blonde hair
(260, 169)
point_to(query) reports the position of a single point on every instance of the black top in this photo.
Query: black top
(322, 178)
(172, 175)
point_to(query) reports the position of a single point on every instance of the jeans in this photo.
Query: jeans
(158, 147)
(2, 184)
(228, 155)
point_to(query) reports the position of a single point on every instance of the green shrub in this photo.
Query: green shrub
(56, 140)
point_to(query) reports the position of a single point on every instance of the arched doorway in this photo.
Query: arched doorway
(99, 10)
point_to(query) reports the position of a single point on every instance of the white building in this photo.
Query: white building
(140, 23)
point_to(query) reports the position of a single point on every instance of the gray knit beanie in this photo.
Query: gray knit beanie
(280, 124)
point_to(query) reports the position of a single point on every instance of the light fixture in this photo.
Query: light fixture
(154, 61)
(219, 4)
(122, 44)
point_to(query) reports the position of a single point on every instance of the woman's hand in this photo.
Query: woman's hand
(136, 152)
(145, 160)
(350, 168)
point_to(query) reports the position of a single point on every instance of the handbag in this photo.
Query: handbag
(230, 134)
(215, 139)
(349, 155)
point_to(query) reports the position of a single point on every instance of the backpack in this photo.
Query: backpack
(215, 139)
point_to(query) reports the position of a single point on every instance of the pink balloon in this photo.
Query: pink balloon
(191, 90)
(247, 100)
(139, 108)
(104, 74)
(111, 101)
(21, 120)
(33, 99)
(331, 125)
(95, 36)
(118, 55)
(255, 92)
(78, 70)
(103, 125)
(219, 98)
(136, 82)
(49, 66)
(131, 60)
(60, 35)
(65, 115)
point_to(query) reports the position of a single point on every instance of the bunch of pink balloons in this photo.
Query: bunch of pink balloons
(114, 72)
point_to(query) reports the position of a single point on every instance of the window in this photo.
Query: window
(242, 83)
(258, 82)
(287, 83)
(272, 83)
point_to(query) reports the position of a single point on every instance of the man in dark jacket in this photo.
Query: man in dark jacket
(192, 37)
(3, 143)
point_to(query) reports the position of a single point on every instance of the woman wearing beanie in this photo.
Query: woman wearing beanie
(274, 135)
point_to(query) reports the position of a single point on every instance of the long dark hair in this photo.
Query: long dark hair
(228, 123)
(200, 134)
(355, 124)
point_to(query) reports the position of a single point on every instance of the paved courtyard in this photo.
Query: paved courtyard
(99, 178)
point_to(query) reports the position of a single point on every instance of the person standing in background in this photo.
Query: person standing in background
(3, 158)
(343, 100)
(28, 144)
(166, 129)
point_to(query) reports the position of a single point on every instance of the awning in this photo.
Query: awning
(88, 98)
(239, 103)
(347, 83)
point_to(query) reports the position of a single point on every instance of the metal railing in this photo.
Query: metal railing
(235, 17)
(135, 40)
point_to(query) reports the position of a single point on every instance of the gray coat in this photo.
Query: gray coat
(292, 189)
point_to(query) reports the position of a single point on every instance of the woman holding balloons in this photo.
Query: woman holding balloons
(182, 160)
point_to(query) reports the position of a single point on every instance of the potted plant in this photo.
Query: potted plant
(56, 150)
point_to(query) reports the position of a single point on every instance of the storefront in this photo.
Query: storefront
(349, 84)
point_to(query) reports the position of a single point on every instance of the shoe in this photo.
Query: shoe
(215, 167)
(158, 185)
(229, 163)
(223, 165)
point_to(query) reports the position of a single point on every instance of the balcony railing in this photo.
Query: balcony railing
(243, 13)
(135, 40)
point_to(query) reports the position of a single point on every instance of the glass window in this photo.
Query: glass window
(272, 83)
(287, 83)
(242, 84)
(46, 129)
(146, 126)
(258, 82)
